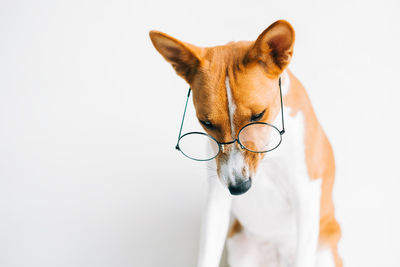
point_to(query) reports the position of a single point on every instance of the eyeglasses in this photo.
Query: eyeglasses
(256, 137)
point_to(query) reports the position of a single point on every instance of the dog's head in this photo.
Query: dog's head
(233, 85)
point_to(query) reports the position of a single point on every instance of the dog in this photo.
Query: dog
(273, 208)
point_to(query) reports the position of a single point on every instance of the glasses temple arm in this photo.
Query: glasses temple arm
(280, 92)
(183, 119)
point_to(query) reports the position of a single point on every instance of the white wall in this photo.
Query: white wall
(89, 116)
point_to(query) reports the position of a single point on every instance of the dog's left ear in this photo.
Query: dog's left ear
(273, 49)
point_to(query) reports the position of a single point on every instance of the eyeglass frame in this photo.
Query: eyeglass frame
(220, 144)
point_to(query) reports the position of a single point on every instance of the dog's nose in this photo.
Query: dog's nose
(240, 188)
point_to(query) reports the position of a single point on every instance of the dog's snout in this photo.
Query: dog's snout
(240, 188)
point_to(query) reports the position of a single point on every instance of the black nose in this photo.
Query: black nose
(240, 188)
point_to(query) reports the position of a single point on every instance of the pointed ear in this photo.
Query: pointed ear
(185, 58)
(273, 48)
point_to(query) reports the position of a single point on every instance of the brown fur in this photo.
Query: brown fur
(235, 228)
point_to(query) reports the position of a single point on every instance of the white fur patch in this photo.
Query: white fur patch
(232, 169)
(308, 214)
(231, 106)
(235, 168)
(215, 223)
(246, 249)
(324, 258)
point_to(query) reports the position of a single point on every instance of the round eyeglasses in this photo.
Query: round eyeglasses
(256, 137)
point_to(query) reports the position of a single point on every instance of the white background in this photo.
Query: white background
(89, 115)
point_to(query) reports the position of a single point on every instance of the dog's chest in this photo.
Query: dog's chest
(266, 210)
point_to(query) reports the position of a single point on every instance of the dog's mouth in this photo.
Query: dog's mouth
(240, 188)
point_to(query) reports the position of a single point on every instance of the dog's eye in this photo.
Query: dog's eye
(258, 116)
(207, 124)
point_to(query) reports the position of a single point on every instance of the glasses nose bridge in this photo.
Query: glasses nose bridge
(230, 143)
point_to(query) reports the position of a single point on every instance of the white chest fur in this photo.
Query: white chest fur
(266, 209)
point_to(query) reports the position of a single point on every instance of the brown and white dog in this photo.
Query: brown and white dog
(287, 217)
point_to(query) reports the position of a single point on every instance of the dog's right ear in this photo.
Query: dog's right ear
(185, 58)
